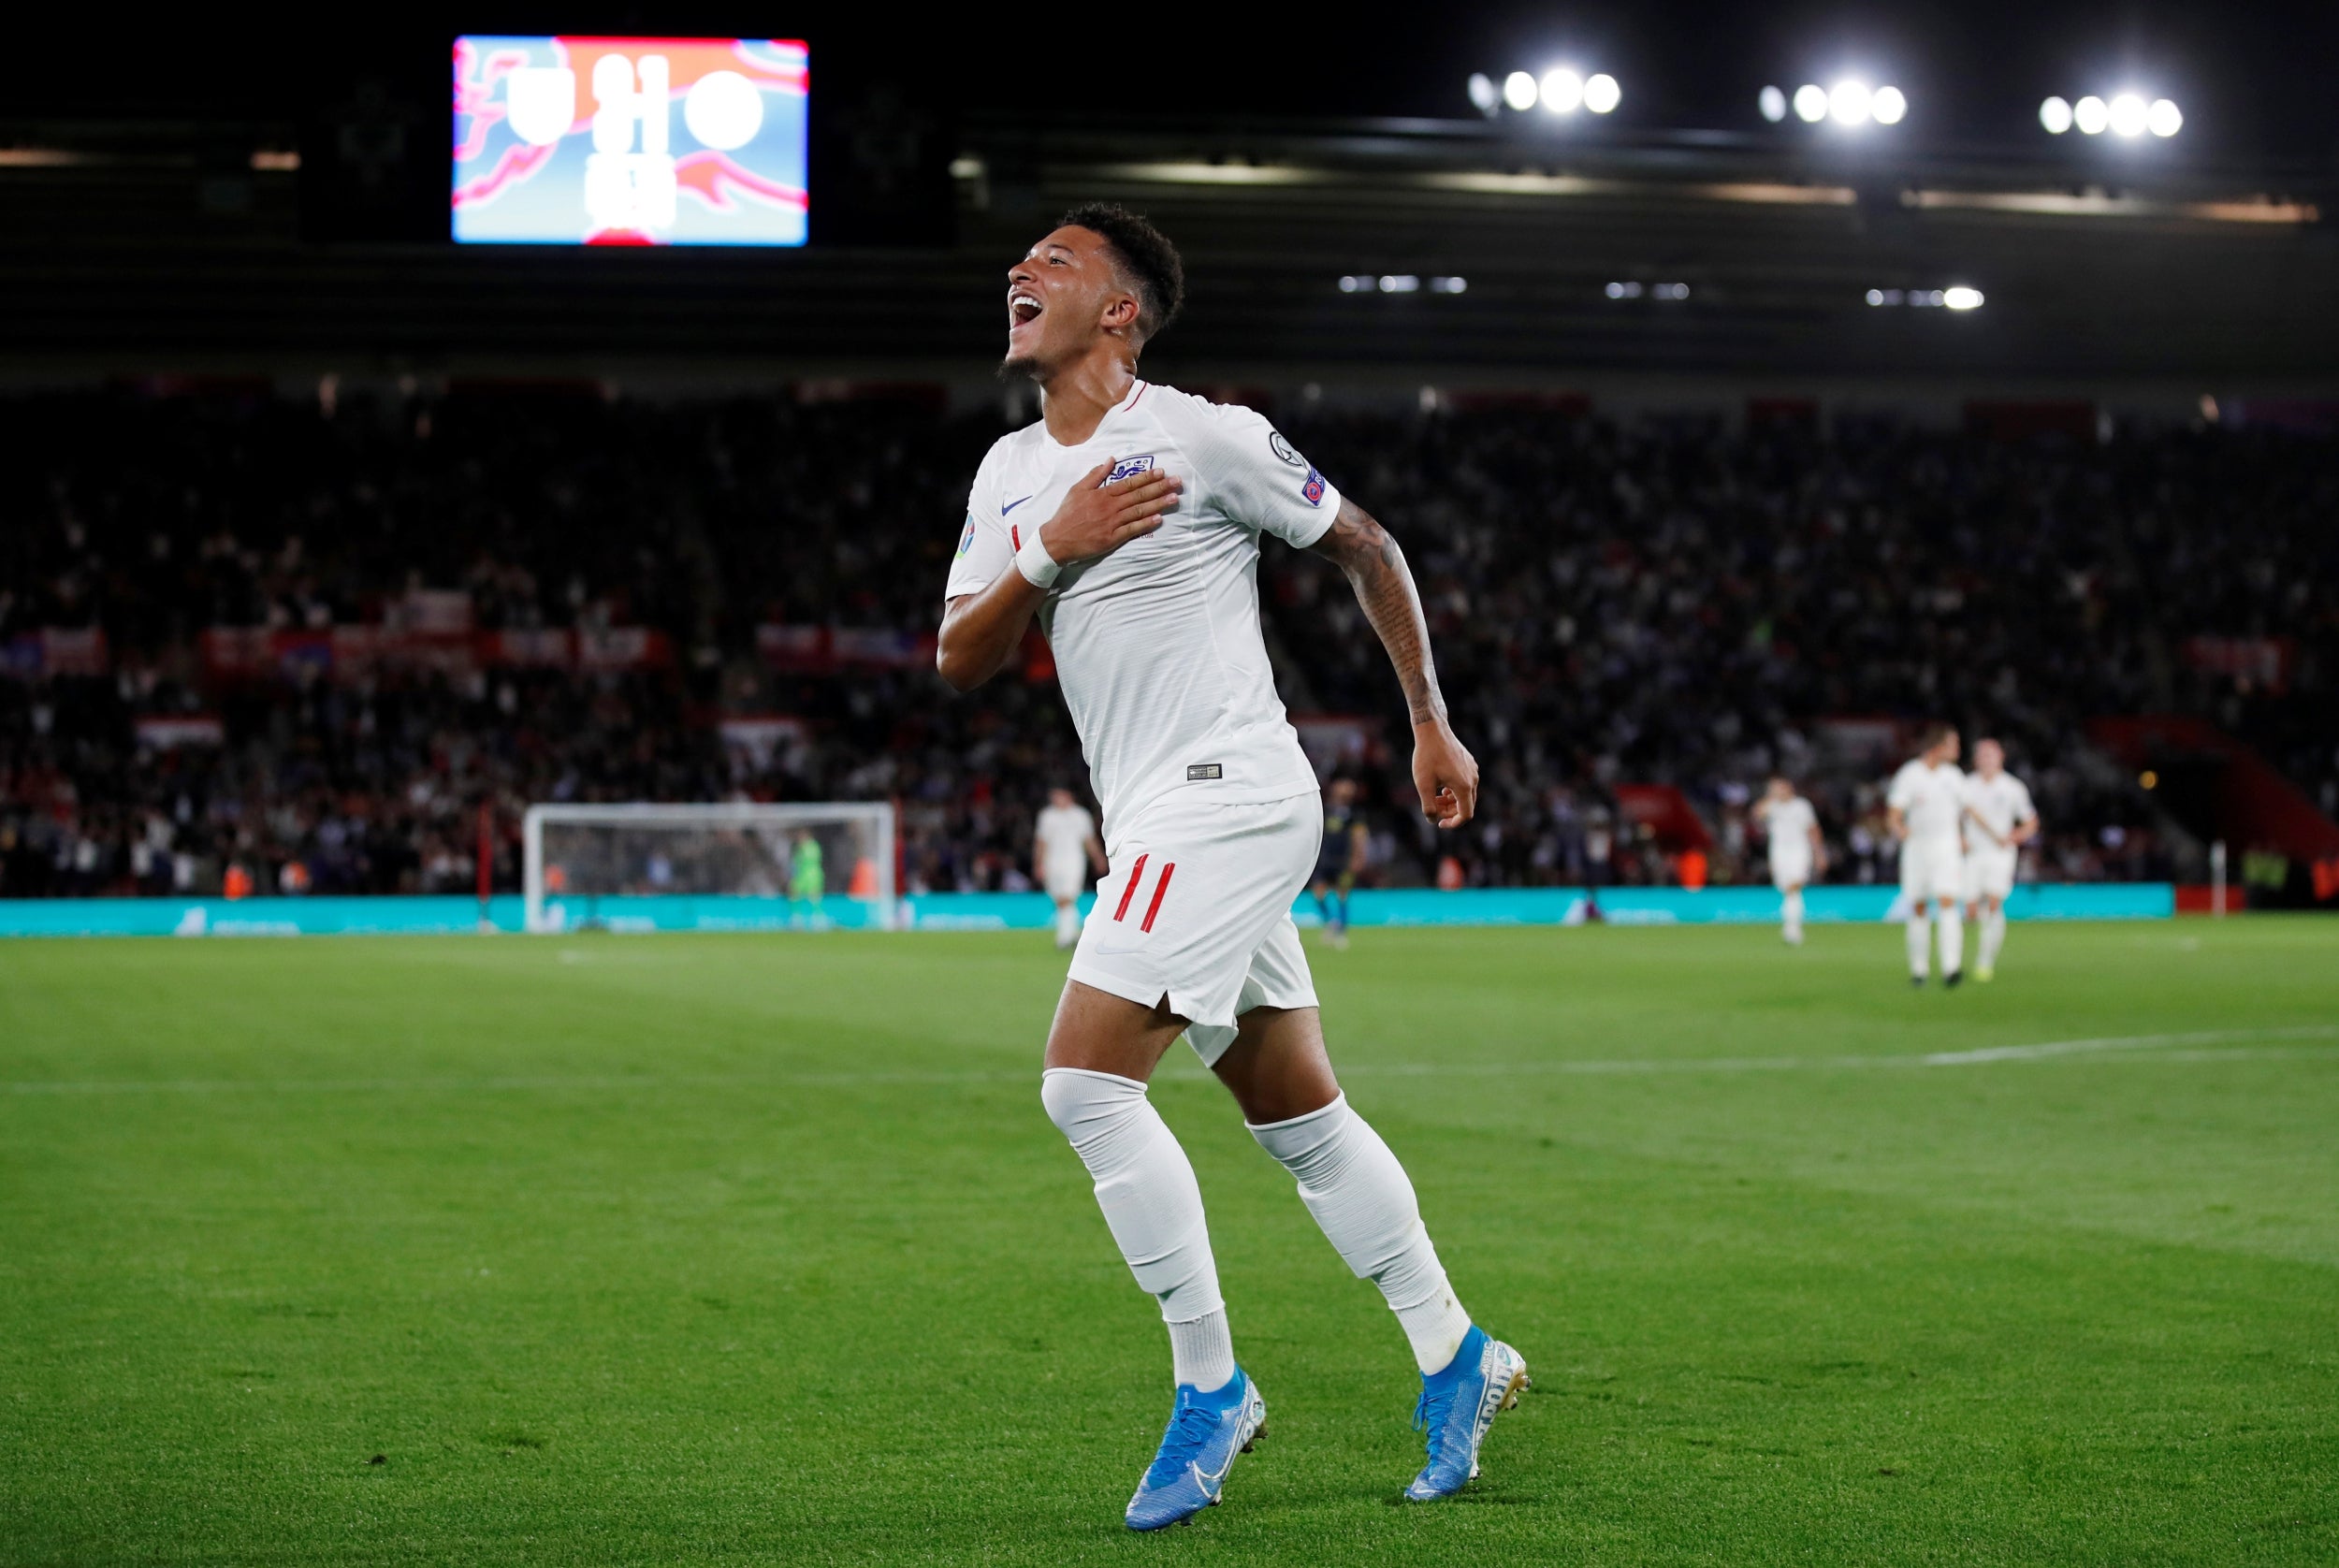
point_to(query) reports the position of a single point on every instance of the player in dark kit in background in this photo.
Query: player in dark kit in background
(1340, 861)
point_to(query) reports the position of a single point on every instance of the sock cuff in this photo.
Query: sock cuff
(1300, 1135)
(1113, 1079)
(1339, 1101)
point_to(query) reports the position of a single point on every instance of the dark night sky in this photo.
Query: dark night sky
(2256, 80)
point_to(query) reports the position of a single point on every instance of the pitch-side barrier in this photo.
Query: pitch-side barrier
(1010, 911)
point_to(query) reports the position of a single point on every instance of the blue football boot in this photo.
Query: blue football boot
(1206, 1433)
(1456, 1407)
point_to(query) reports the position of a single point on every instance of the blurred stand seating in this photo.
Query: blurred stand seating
(294, 641)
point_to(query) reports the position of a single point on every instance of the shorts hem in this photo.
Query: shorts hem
(1145, 993)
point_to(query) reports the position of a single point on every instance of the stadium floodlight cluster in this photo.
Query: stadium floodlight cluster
(1958, 296)
(1653, 290)
(2124, 114)
(1400, 283)
(1849, 103)
(1561, 90)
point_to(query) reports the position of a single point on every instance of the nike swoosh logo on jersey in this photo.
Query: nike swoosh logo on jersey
(1013, 505)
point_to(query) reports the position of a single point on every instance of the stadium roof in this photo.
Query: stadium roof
(154, 245)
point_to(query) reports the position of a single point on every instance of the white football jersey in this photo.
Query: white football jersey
(1789, 823)
(2002, 803)
(1929, 799)
(1063, 832)
(1158, 645)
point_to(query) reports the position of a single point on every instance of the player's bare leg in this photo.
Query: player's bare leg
(1102, 1051)
(1952, 931)
(1279, 1072)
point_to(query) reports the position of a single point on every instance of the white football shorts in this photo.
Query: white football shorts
(1064, 878)
(1196, 906)
(1790, 870)
(1990, 872)
(1932, 868)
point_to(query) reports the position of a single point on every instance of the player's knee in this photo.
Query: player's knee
(1089, 1107)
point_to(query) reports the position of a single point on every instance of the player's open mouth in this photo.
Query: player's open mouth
(1022, 309)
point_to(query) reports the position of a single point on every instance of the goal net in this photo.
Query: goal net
(709, 868)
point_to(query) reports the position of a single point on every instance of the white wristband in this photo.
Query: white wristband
(1039, 569)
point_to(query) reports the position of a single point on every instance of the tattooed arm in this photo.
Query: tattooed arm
(1444, 771)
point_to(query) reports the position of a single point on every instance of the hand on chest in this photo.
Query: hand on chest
(1047, 484)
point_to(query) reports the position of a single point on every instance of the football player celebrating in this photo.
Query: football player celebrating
(1128, 522)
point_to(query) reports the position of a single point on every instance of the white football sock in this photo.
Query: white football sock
(1993, 937)
(1953, 924)
(1364, 1201)
(1793, 911)
(1201, 1352)
(1920, 939)
(1068, 925)
(1153, 1205)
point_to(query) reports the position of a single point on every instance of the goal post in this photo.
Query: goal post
(714, 867)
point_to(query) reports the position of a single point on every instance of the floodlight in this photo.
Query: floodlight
(1811, 103)
(2163, 119)
(1773, 104)
(1848, 103)
(2055, 115)
(1962, 298)
(1519, 90)
(2129, 114)
(1876, 296)
(1601, 94)
(1889, 105)
(1562, 91)
(1484, 95)
(2090, 115)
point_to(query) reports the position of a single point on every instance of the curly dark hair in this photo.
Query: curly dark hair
(1151, 261)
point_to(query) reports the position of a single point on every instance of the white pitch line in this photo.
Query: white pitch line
(2121, 1042)
(2146, 1048)
(2044, 1051)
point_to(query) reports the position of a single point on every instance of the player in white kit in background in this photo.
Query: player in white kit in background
(1129, 522)
(1925, 809)
(1062, 848)
(1797, 852)
(1999, 821)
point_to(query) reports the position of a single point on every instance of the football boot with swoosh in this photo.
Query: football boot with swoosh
(1206, 1433)
(1458, 1405)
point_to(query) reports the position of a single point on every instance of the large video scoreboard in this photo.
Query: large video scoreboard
(630, 141)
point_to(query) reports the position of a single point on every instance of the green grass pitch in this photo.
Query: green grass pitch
(755, 1250)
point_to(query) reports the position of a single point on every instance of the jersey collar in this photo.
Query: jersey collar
(1136, 391)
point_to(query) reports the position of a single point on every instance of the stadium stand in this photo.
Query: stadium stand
(303, 639)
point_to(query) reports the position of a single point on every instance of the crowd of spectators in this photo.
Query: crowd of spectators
(1664, 601)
